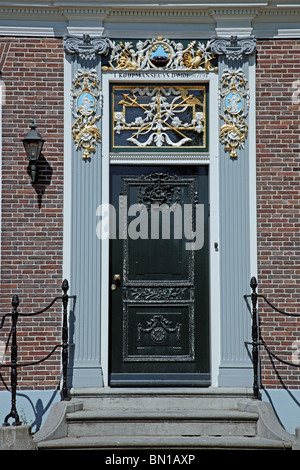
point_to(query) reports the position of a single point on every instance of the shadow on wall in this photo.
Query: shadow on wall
(72, 319)
(33, 406)
(43, 178)
(286, 405)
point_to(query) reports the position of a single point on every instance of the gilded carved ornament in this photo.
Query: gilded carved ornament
(164, 116)
(158, 53)
(235, 95)
(86, 93)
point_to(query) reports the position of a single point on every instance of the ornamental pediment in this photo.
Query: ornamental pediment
(159, 53)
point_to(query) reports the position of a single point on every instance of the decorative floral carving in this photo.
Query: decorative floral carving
(157, 293)
(160, 53)
(86, 93)
(159, 328)
(159, 116)
(161, 189)
(236, 97)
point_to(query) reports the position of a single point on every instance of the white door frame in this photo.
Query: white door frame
(210, 159)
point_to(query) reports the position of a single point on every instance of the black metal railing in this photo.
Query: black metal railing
(257, 339)
(14, 365)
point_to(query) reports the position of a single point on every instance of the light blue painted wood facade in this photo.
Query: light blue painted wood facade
(235, 252)
(234, 249)
(85, 252)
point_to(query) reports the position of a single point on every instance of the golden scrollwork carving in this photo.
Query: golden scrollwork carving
(86, 93)
(159, 116)
(236, 97)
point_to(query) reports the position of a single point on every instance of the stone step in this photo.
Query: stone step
(162, 423)
(162, 419)
(161, 398)
(163, 444)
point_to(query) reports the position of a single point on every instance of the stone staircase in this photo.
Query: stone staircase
(162, 419)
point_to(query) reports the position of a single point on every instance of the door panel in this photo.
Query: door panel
(159, 311)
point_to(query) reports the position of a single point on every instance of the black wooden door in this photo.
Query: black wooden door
(159, 281)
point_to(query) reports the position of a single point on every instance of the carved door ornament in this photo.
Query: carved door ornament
(159, 328)
(161, 189)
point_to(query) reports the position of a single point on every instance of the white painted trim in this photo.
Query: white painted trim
(34, 31)
(213, 161)
(227, 24)
(67, 195)
(263, 31)
(2, 97)
(215, 313)
(252, 167)
(159, 159)
(115, 19)
(67, 173)
(104, 321)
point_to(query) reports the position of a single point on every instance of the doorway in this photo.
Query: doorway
(159, 276)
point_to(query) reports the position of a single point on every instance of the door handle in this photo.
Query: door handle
(117, 279)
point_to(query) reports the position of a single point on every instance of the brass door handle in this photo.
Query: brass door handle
(117, 278)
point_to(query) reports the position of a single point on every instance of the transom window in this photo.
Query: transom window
(159, 117)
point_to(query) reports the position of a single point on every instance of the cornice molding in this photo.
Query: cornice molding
(57, 18)
(234, 11)
(155, 10)
(159, 12)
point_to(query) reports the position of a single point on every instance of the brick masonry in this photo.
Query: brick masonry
(32, 218)
(278, 119)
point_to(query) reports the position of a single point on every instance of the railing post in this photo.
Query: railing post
(65, 338)
(255, 340)
(14, 372)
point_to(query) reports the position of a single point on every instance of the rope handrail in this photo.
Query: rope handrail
(273, 306)
(276, 308)
(277, 357)
(27, 364)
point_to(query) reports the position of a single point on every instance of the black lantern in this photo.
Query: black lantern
(33, 143)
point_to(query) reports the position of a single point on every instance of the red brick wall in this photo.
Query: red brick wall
(278, 183)
(32, 218)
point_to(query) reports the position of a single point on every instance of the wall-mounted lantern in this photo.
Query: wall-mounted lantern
(33, 143)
